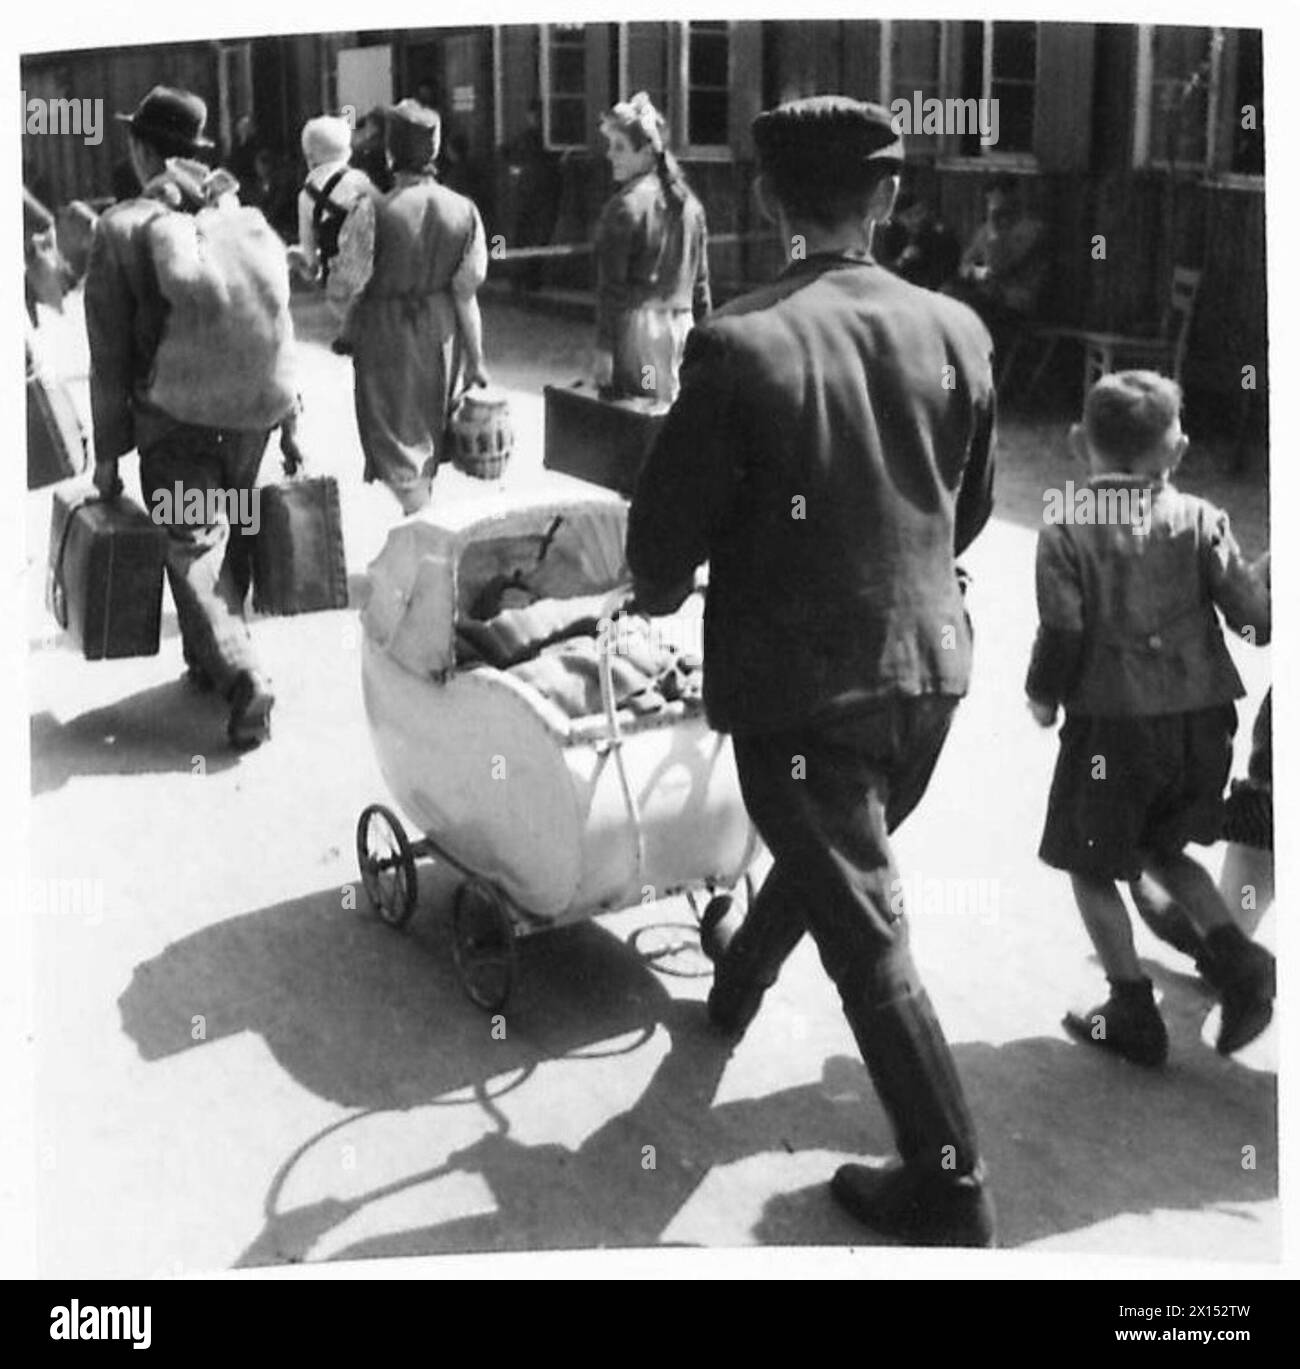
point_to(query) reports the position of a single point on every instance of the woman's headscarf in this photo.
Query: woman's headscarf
(643, 126)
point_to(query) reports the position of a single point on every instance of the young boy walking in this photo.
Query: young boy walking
(1130, 644)
(334, 197)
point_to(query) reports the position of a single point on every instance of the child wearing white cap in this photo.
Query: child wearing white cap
(330, 194)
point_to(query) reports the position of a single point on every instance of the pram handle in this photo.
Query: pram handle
(617, 602)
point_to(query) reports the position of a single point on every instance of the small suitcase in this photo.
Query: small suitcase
(601, 440)
(56, 442)
(105, 574)
(298, 560)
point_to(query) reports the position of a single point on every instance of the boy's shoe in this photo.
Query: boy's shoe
(1246, 975)
(251, 703)
(1128, 1023)
(920, 1208)
(341, 347)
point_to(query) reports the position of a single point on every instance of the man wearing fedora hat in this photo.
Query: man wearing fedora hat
(126, 317)
(830, 454)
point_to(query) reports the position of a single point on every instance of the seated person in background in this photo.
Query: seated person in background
(917, 245)
(1002, 271)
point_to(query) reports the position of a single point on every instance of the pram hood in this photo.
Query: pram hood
(435, 565)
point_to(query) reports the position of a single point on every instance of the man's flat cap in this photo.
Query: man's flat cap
(832, 131)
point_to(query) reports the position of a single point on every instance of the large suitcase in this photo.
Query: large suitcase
(105, 573)
(56, 442)
(601, 440)
(299, 564)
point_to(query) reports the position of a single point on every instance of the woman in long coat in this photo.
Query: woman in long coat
(652, 260)
(417, 325)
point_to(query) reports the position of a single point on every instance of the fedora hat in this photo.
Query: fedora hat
(171, 120)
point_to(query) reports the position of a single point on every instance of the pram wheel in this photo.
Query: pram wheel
(387, 865)
(483, 943)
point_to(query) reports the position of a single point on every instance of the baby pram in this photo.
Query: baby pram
(559, 763)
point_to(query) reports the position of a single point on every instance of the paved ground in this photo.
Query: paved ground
(234, 1067)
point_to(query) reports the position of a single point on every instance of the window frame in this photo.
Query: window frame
(941, 147)
(950, 157)
(1216, 168)
(991, 156)
(700, 152)
(547, 94)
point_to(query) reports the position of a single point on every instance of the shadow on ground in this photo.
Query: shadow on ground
(376, 1022)
(157, 730)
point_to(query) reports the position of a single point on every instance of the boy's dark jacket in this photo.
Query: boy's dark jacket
(1127, 618)
(830, 454)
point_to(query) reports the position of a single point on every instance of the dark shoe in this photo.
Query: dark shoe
(732, 1010)
(937, 1196)
(915, 1076)
(1128, 1023)
(735, 998)
(917, 1207)
(251, 703)
(719, 922)
(1247, 976)
(341, 347)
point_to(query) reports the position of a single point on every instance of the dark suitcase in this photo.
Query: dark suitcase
(106, 572)
(601, 440)
(298, 560)
(56, 443)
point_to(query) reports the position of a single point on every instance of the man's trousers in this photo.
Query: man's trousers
(209, 562)
(824, 798)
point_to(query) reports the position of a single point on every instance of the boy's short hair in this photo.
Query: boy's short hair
(1127, 414)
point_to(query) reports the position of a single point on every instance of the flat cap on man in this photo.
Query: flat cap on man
(830, 131)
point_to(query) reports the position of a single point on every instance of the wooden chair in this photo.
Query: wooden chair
(1105, 352)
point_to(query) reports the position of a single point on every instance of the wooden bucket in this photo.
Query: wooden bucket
(479, 435)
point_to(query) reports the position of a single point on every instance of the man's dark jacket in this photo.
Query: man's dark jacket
(830, 455)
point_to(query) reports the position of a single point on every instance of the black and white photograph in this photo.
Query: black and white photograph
(640, 636)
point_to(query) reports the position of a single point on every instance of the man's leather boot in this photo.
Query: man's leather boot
(938, 1194)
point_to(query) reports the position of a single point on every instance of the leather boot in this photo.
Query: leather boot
(1127, 1023)
(747, 951)
(1246, 976)
(938, 1194)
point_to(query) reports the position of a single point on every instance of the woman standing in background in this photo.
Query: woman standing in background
(652, 264)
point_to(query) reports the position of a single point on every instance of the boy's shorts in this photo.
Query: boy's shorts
(1161, 787)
